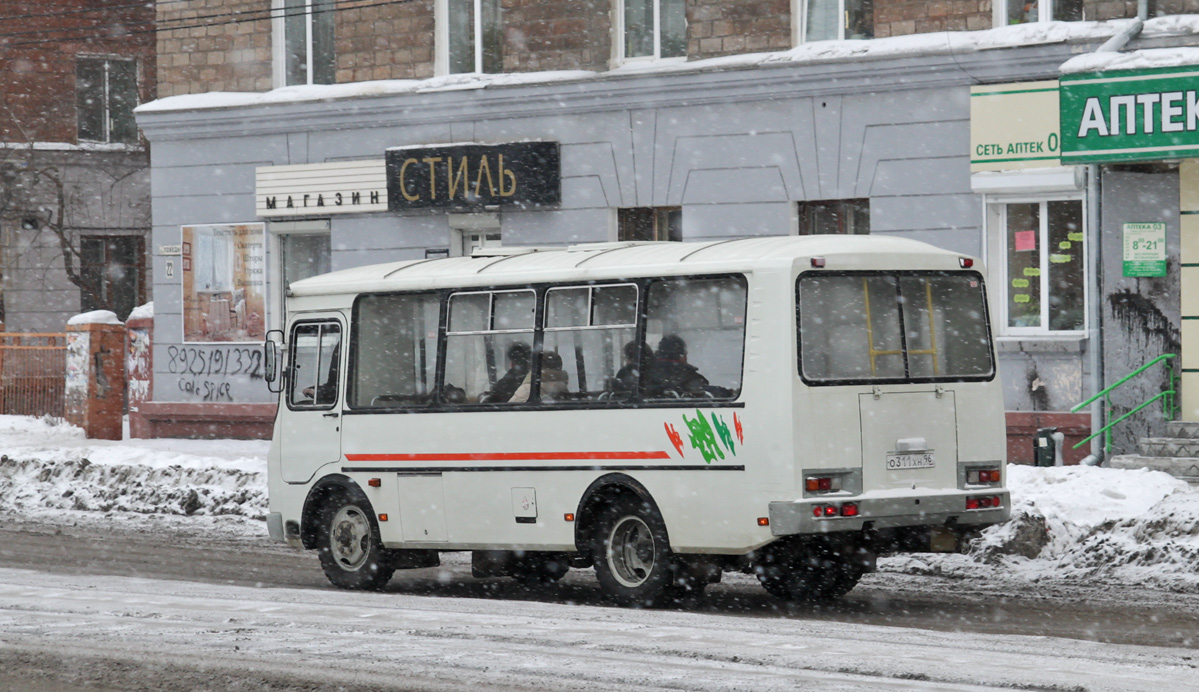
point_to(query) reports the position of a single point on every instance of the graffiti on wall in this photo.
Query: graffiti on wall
(224, 282)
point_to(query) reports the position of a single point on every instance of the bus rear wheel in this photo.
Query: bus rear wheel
(349, 546)
(632, 555)
(807, 575)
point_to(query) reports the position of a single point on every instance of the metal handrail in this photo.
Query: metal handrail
(1170, 407)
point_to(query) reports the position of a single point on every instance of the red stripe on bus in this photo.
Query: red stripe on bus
(507, 456)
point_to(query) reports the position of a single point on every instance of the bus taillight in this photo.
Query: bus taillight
(983, 476)
(848, 509)
(984, 502)
(822, 484)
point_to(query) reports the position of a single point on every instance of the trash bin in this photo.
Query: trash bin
(1044, 447)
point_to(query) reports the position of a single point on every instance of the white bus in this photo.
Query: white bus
(790, 407)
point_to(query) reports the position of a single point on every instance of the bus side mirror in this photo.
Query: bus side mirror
(270, 357)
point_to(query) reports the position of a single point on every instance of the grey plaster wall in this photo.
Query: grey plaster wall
(1141, 316)
(736, 150)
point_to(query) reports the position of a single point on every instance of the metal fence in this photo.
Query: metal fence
(32, 374)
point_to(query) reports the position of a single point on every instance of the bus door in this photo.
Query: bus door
(310, 422)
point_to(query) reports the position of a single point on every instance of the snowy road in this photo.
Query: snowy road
(132, 631)
(75, 616)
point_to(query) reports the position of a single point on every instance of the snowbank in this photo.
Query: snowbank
(1071, 523)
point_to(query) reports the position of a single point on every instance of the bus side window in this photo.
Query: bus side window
(488, 345)
(696, 329)
(586, 330)
(315, 364)
(395, 350)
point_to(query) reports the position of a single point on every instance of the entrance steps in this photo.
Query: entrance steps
(1176, 454)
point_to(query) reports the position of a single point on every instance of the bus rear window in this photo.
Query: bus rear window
(893, 327)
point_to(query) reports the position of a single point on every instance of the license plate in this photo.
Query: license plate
(916, 460)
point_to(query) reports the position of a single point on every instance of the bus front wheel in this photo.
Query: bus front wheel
(632, 554)
(348, 542)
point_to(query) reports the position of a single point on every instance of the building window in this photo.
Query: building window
(471, 36)
(835, 216)
(649, 223)
(105, 96)
(1023, 11)
(111, 268)
(832, 20)
(1044, 278)
(307, 46)
(652, 29)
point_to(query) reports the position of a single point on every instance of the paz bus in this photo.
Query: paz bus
(788, 407)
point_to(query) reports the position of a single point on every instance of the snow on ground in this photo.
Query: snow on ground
(1069, 523)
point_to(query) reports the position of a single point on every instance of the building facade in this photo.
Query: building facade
(74, 170)
(670, 120)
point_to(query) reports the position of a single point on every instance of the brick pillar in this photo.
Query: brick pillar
(95, 382)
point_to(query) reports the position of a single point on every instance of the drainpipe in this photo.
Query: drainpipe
(1095, 283)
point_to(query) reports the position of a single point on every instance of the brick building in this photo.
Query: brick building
(75, 210)
(675, 119)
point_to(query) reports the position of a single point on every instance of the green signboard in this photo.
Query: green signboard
(1130, 115)
(1144, 249)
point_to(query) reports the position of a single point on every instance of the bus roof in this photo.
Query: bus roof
(522, 265)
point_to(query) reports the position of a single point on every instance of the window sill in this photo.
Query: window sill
(1041, 343)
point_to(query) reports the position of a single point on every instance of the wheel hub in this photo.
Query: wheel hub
(350, 538)
(631, 551)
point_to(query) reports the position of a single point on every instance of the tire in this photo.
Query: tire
(349, 546)
(633, 560)
(808, 574)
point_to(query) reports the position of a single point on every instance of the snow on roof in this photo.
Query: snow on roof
(1135, 60)
(939, 43)
(606, 260)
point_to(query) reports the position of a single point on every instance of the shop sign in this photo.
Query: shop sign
(1144, 249)
(321, 189)
(1014, 126)
(1132, 115)
(464, 176)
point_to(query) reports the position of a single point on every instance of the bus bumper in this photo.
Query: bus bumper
(799, 517)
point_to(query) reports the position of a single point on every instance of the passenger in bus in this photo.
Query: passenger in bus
(629, 375)
(554, 380)
(671, 374)
(518, 369)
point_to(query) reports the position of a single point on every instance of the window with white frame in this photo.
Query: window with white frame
(1042, 265)
(304, 51)
(470, 36)
(652, 29)
(105, 96)
(833, 20)
(1023, 11)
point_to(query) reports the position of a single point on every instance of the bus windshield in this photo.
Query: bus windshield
(893, 327)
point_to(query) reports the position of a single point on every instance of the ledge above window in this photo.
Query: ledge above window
(1029, 180)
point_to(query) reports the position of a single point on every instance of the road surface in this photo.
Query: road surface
(100, 609)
